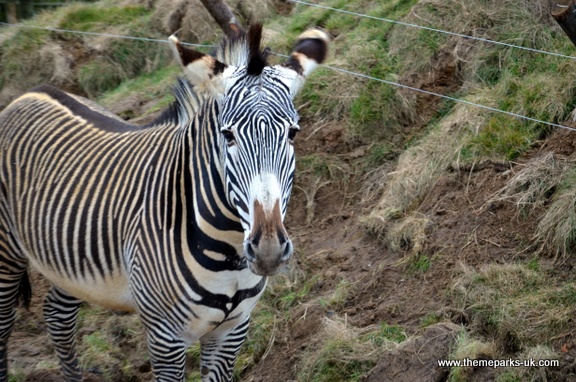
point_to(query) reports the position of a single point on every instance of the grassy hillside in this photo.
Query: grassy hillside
(408, 209)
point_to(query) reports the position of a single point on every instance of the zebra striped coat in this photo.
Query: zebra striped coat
(179, 221)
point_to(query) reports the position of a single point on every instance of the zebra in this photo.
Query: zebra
(180, 221)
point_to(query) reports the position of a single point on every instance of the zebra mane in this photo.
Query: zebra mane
(244, 50)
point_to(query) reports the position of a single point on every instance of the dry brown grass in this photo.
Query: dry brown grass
(517, 306)
(556, 230)
(408, 234)
(535, 182)
(420, 167)
(468, 347)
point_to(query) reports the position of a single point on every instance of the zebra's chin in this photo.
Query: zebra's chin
(260, 270)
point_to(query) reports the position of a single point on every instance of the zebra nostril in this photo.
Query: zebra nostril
(288, 249)
(249, 251)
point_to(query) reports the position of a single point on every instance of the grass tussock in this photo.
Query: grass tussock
(532, 374)
(535, 183)
(556, 230)
(515, 306)
(409, 235)
(345, 353)
(469, 347)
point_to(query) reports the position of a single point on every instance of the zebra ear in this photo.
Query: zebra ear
(309, 51)
(202, 70)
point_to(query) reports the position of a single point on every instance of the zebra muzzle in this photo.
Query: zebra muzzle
(267, 247)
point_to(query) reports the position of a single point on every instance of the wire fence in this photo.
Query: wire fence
(449, 33)
(361, 75)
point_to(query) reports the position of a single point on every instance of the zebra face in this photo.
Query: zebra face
(258, 124)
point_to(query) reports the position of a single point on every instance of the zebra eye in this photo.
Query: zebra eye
(292, 133)
(228, 136)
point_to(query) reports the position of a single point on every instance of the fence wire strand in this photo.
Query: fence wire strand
(349, 72)
(100, 34)
(434, 29)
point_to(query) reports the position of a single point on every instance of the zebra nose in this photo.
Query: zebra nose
(266, 257)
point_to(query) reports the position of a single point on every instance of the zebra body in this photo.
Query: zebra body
(179, 221)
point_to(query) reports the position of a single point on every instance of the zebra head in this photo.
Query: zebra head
(257, 124)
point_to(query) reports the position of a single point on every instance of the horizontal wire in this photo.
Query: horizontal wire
(434, 29)
(459, 100)
(349, 72)
(463, 101)
(99, 34)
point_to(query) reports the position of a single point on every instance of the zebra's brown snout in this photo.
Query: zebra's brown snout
(268, 246)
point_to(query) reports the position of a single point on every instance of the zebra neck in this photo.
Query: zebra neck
(213, 229)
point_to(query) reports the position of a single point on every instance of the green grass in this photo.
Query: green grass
(93, 18)
(34, 56)
(503, 138)
(20, 57)
(371, 109)
(154, 88)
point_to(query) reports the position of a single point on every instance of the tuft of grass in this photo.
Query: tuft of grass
(501, 138)
(531, 374)
(468, 347)
(16, 375)
(98, 76)
(345, 354)
(431, 319)
(340, 295)
(324, 166)
(408, 234)
(94, 18)
(514, 306)
(536, 182)
(556, 230)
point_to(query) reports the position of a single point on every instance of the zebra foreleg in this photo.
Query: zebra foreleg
(60, 314)
(10, 279)
(218, 354)
(168, 356)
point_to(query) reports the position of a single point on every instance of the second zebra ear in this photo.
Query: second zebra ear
(310, 51)
(202, 70)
